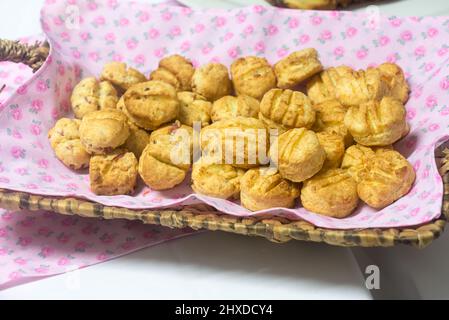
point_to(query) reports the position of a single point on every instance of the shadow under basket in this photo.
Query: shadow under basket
(204, 217)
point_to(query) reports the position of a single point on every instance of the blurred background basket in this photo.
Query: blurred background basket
(199, 217)
(313, 4)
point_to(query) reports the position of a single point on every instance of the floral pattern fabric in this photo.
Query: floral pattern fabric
(141, 35)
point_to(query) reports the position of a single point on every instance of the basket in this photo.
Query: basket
(203, 217)
(314, 5)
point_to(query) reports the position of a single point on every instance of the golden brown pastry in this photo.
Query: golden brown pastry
(230, 107)
(297, 67)
(357, 156)
(151, 104)
(212, 81)
(64, 129)
(330, 117)
(65, 140)
(166, 159)
(276, 129)
(216, 180)
(393, 76)
(386, 177)
(291, 109)
(73, 154)
(334, 146)
(90, 95)
(263, 189)
(103, 131)
(137, 141)
(194, 108)
(322, 87)
(241, 142)
(122, 76)
(176, 71)
(159, 175)
(173, 144)
(298, 154)
(114, 173)
(361, 87)
(252, 76)
(331, 193)
(377, 123)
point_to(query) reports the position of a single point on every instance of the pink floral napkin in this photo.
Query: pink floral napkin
(34, 245)
(141, 35)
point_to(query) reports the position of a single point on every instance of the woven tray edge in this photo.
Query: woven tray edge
(204, 217)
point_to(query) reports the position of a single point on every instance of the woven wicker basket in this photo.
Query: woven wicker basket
(205, 217)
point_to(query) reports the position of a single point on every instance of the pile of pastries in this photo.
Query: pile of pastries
(323, 136)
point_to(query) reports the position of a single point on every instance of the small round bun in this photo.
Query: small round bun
(90, 95)
(386, 177)
(122, 76)
(114, 173)
(230, 107)
(103, 131)
(263, 189)
(212, 81)
(297, 67)
(377, 123)
(323, 86)
(298, 154)
(176, 71)
(151, 104)
(167, 158)
(252, 76)
(64, 129)
(159, 175)
(173, 144)
(332, 193)
(65, 141)
(291, 109)
(360, 87)
(216, 180)
(241, 142)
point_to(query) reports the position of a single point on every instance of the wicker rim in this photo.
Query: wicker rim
(275, 229)
(33, 56)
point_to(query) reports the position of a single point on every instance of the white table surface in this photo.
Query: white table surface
(224, 266)
(212, 265)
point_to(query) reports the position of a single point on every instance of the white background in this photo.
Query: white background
(217, 265)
